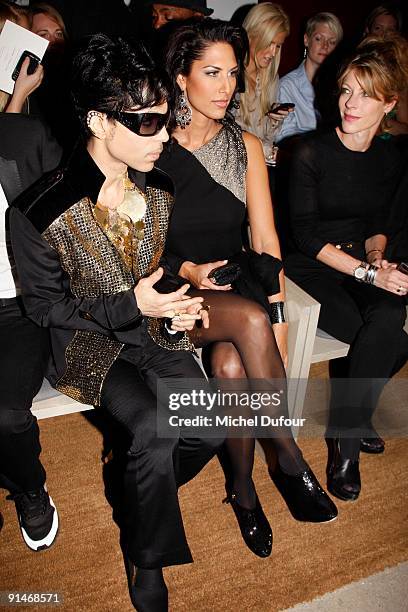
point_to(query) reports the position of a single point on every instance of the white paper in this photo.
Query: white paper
(14, 40)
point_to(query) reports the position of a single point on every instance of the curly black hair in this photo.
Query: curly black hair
(110, 75)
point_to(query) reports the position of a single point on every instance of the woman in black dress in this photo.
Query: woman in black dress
(342, 185)
(220, 176)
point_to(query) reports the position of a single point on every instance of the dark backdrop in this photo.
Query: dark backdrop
(111, 16)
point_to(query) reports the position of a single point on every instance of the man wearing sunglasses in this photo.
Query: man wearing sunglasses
(88, 241)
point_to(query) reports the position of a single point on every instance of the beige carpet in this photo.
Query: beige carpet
(308, 560)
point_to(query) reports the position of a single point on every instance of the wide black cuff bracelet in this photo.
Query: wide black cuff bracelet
(371, 274)
(276, 312)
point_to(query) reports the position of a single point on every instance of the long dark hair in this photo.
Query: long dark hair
(189, 41)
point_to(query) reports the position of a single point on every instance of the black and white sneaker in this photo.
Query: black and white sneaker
(38, 518)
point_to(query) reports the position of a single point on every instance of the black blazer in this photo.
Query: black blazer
(27, 151)
(45, 285)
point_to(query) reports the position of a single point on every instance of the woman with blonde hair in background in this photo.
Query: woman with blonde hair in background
(48, 23)
(322, 35)
(267, 26)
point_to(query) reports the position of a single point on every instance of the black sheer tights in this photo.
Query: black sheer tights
(245, 347)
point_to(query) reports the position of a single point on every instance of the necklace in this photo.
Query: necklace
(133, 206)
(124, 225)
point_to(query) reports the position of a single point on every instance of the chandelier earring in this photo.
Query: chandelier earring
(183, 112)
(305, 53)
(235, 104)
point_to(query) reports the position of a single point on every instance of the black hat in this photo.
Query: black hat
(194, 5)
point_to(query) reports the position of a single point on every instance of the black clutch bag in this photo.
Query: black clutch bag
(225, 275)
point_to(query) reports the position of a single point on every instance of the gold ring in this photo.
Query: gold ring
(176, 316)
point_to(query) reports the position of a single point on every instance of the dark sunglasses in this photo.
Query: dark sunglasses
(143, 124)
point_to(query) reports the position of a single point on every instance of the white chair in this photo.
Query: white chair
(50, 403)
(313, 345)
(303, 313)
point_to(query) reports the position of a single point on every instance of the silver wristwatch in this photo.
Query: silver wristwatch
(360, 272)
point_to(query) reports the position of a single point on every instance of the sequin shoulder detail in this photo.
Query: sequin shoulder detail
(225, 158)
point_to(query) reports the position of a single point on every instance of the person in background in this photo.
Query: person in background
(342, 185)
(323, 34)
(177, 10)
(25, 84)
(48, 23)
(267, 26)
(27, 151)
(383, 19)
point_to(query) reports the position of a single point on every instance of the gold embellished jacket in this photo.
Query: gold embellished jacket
(75, 281)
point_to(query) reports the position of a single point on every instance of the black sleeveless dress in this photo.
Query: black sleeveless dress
(210, 211)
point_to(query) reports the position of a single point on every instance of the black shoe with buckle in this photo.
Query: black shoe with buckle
(305, 498)
(255, 529)
(38, 518)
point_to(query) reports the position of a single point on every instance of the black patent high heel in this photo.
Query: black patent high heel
(255, 529)
(306, 499)
(343, 475)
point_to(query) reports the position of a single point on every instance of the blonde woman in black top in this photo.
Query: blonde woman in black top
(342, 186)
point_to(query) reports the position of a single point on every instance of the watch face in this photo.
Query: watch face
(360, 273)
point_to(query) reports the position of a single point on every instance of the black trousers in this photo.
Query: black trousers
(23, 353)
(152, 523)
(371, 320)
